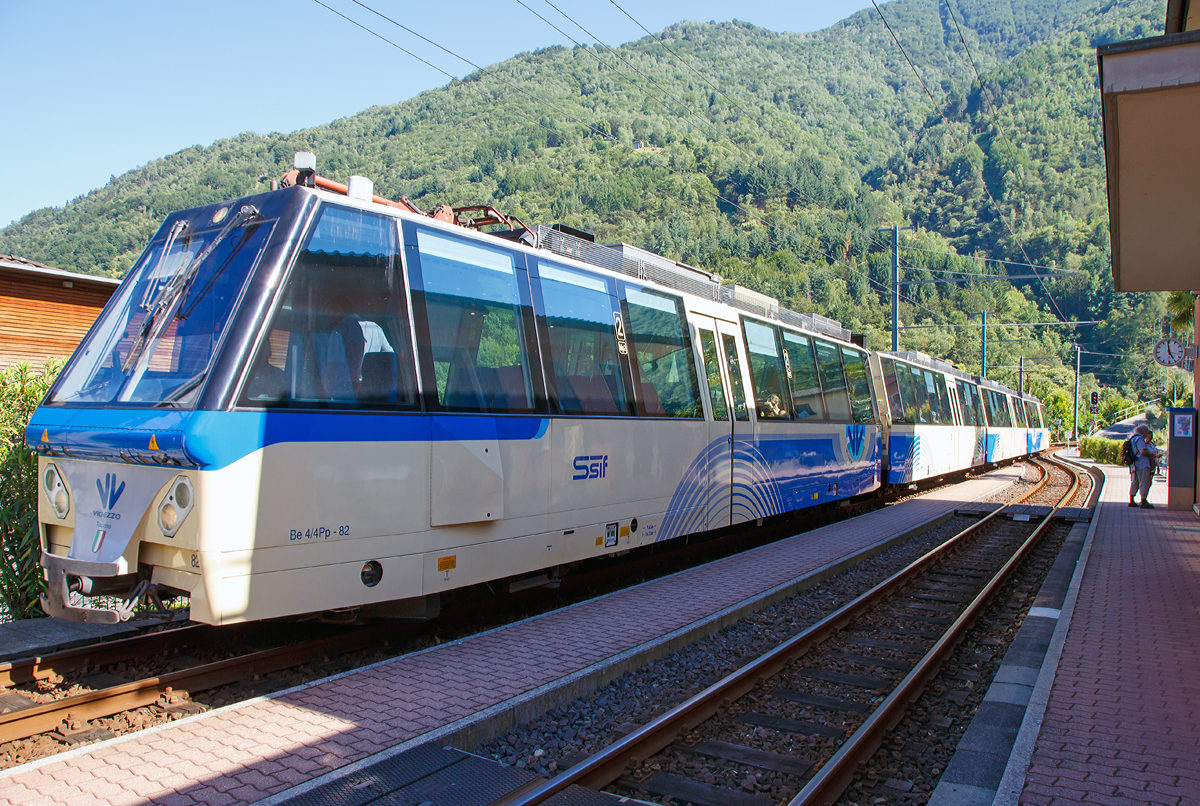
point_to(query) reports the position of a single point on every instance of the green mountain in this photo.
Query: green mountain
(770, 158)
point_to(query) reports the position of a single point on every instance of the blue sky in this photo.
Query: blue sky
(91, 90)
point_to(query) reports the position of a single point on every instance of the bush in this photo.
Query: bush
(1107, 451)
(21, 583)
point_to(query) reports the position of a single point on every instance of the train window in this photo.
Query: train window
(471, 300)
(767, 373)
(892, 383)
(916, 398)
(833, 381)
(806, 388)
(1032, 412)
(1019, 410)
(860, 389)
(664, 363)
(939, 399)
(712, 369)
(740, 412)
(340, 336)
(581, 334)
(969, 403)
(997, 409)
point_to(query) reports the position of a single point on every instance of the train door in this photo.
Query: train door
(743, 429)
(720, 430)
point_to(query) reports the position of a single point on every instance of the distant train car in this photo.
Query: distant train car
(935, 423)
(315, 400)
(1010, 433)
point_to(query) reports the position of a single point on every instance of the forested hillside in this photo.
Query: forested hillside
(770, 158)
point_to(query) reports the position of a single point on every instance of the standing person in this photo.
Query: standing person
(1141, 472)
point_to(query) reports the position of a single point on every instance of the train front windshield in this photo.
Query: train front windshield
(155, 343)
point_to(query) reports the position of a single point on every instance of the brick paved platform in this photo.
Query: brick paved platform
(1122, 720)
(458, 693)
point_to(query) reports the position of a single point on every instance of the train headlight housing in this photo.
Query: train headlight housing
(175, 506)
(56, 491)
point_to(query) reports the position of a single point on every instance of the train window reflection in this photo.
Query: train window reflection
(664, 363)
(1019, 411)
(766, 371)
(892, 383)
(833, 381)
(472, 304)
(740, 411)
(997, 409)
(860, 389)
(340, 336)
(806, 389)
(712, 368)
(968, 394)
(582, 339)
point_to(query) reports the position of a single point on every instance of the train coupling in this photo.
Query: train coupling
(70, 582)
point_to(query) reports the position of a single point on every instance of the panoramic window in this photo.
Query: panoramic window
(939, 398)
(805, 387)
(860, 385)
(767, 374)
(471, 300)
(340, 336)
(968, 395)
(662, 355)
(997, 409)
(712, 369)
(1019, 411)
(833, 381)
(581, 334)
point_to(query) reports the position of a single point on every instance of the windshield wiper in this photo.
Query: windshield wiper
(166, 302)
(180, 391)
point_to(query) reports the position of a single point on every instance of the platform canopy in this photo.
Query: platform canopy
(1151, 93)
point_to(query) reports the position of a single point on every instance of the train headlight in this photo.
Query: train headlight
(175, 506)
(56, 491)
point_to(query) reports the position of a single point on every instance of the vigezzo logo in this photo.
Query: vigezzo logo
(110, 493)
(590, 467)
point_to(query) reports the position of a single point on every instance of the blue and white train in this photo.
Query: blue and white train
(315, 400)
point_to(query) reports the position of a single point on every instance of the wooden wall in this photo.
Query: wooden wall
(40, 318)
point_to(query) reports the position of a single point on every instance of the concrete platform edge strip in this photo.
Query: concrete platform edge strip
(468, 732)
(1009, 791)
(799, 583)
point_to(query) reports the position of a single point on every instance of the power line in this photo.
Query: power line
(963, 146)
(984, 259)
(662, 165)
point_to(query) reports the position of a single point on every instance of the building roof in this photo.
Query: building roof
(23, 265)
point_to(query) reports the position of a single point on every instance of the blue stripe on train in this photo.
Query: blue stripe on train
(214, 440)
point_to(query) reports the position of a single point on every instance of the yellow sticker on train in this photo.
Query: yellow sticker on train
(448, 563)
(624, 531)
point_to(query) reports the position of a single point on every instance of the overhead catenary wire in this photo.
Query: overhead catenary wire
(962, 145)
(708, 190)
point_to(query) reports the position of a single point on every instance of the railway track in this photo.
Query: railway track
(94, 692)
(794, 724)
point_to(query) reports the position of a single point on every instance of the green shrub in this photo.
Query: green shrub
(1107, 451)
(21, 584)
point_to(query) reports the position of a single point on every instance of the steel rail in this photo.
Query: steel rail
(606, 765)
(837, 773)
(128, 696)
(47, 667)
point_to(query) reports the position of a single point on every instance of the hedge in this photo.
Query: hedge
(21, 583)
(1107, 451)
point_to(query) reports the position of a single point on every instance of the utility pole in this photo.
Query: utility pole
(895, 285)
(983, 349)
(1075, 428)
(1021, 384)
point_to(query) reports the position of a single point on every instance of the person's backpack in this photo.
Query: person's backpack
(1128, 457)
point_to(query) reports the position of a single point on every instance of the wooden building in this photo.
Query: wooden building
(45, 312)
